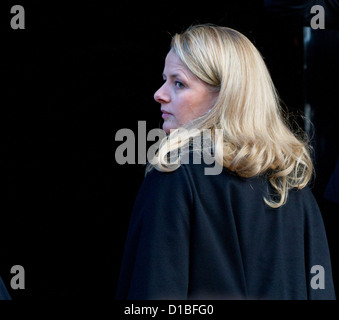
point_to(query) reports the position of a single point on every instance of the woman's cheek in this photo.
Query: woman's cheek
(186, 114)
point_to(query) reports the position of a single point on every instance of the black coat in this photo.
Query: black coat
(4, 295)
(197, 236)
(332, 188)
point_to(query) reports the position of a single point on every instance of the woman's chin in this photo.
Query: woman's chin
(167, 127)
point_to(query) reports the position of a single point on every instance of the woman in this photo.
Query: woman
(253, 231)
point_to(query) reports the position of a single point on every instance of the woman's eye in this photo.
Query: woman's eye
(178, 84)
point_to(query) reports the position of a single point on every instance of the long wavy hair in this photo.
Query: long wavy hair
(256, 137)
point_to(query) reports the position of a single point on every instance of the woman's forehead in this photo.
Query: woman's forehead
(174, 66)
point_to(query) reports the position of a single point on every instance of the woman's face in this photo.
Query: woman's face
(183, 96)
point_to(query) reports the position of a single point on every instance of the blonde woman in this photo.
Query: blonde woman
(251, 231)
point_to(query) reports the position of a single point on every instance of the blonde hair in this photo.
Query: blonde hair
(256, 138)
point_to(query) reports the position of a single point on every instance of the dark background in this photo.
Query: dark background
(75, 76)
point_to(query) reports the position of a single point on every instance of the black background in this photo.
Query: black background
(71, 79)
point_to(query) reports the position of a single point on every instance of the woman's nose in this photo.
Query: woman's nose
(161, 95)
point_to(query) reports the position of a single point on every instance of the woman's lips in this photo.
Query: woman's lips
(165, 114)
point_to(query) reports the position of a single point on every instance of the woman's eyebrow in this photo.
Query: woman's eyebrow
(173, 75)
